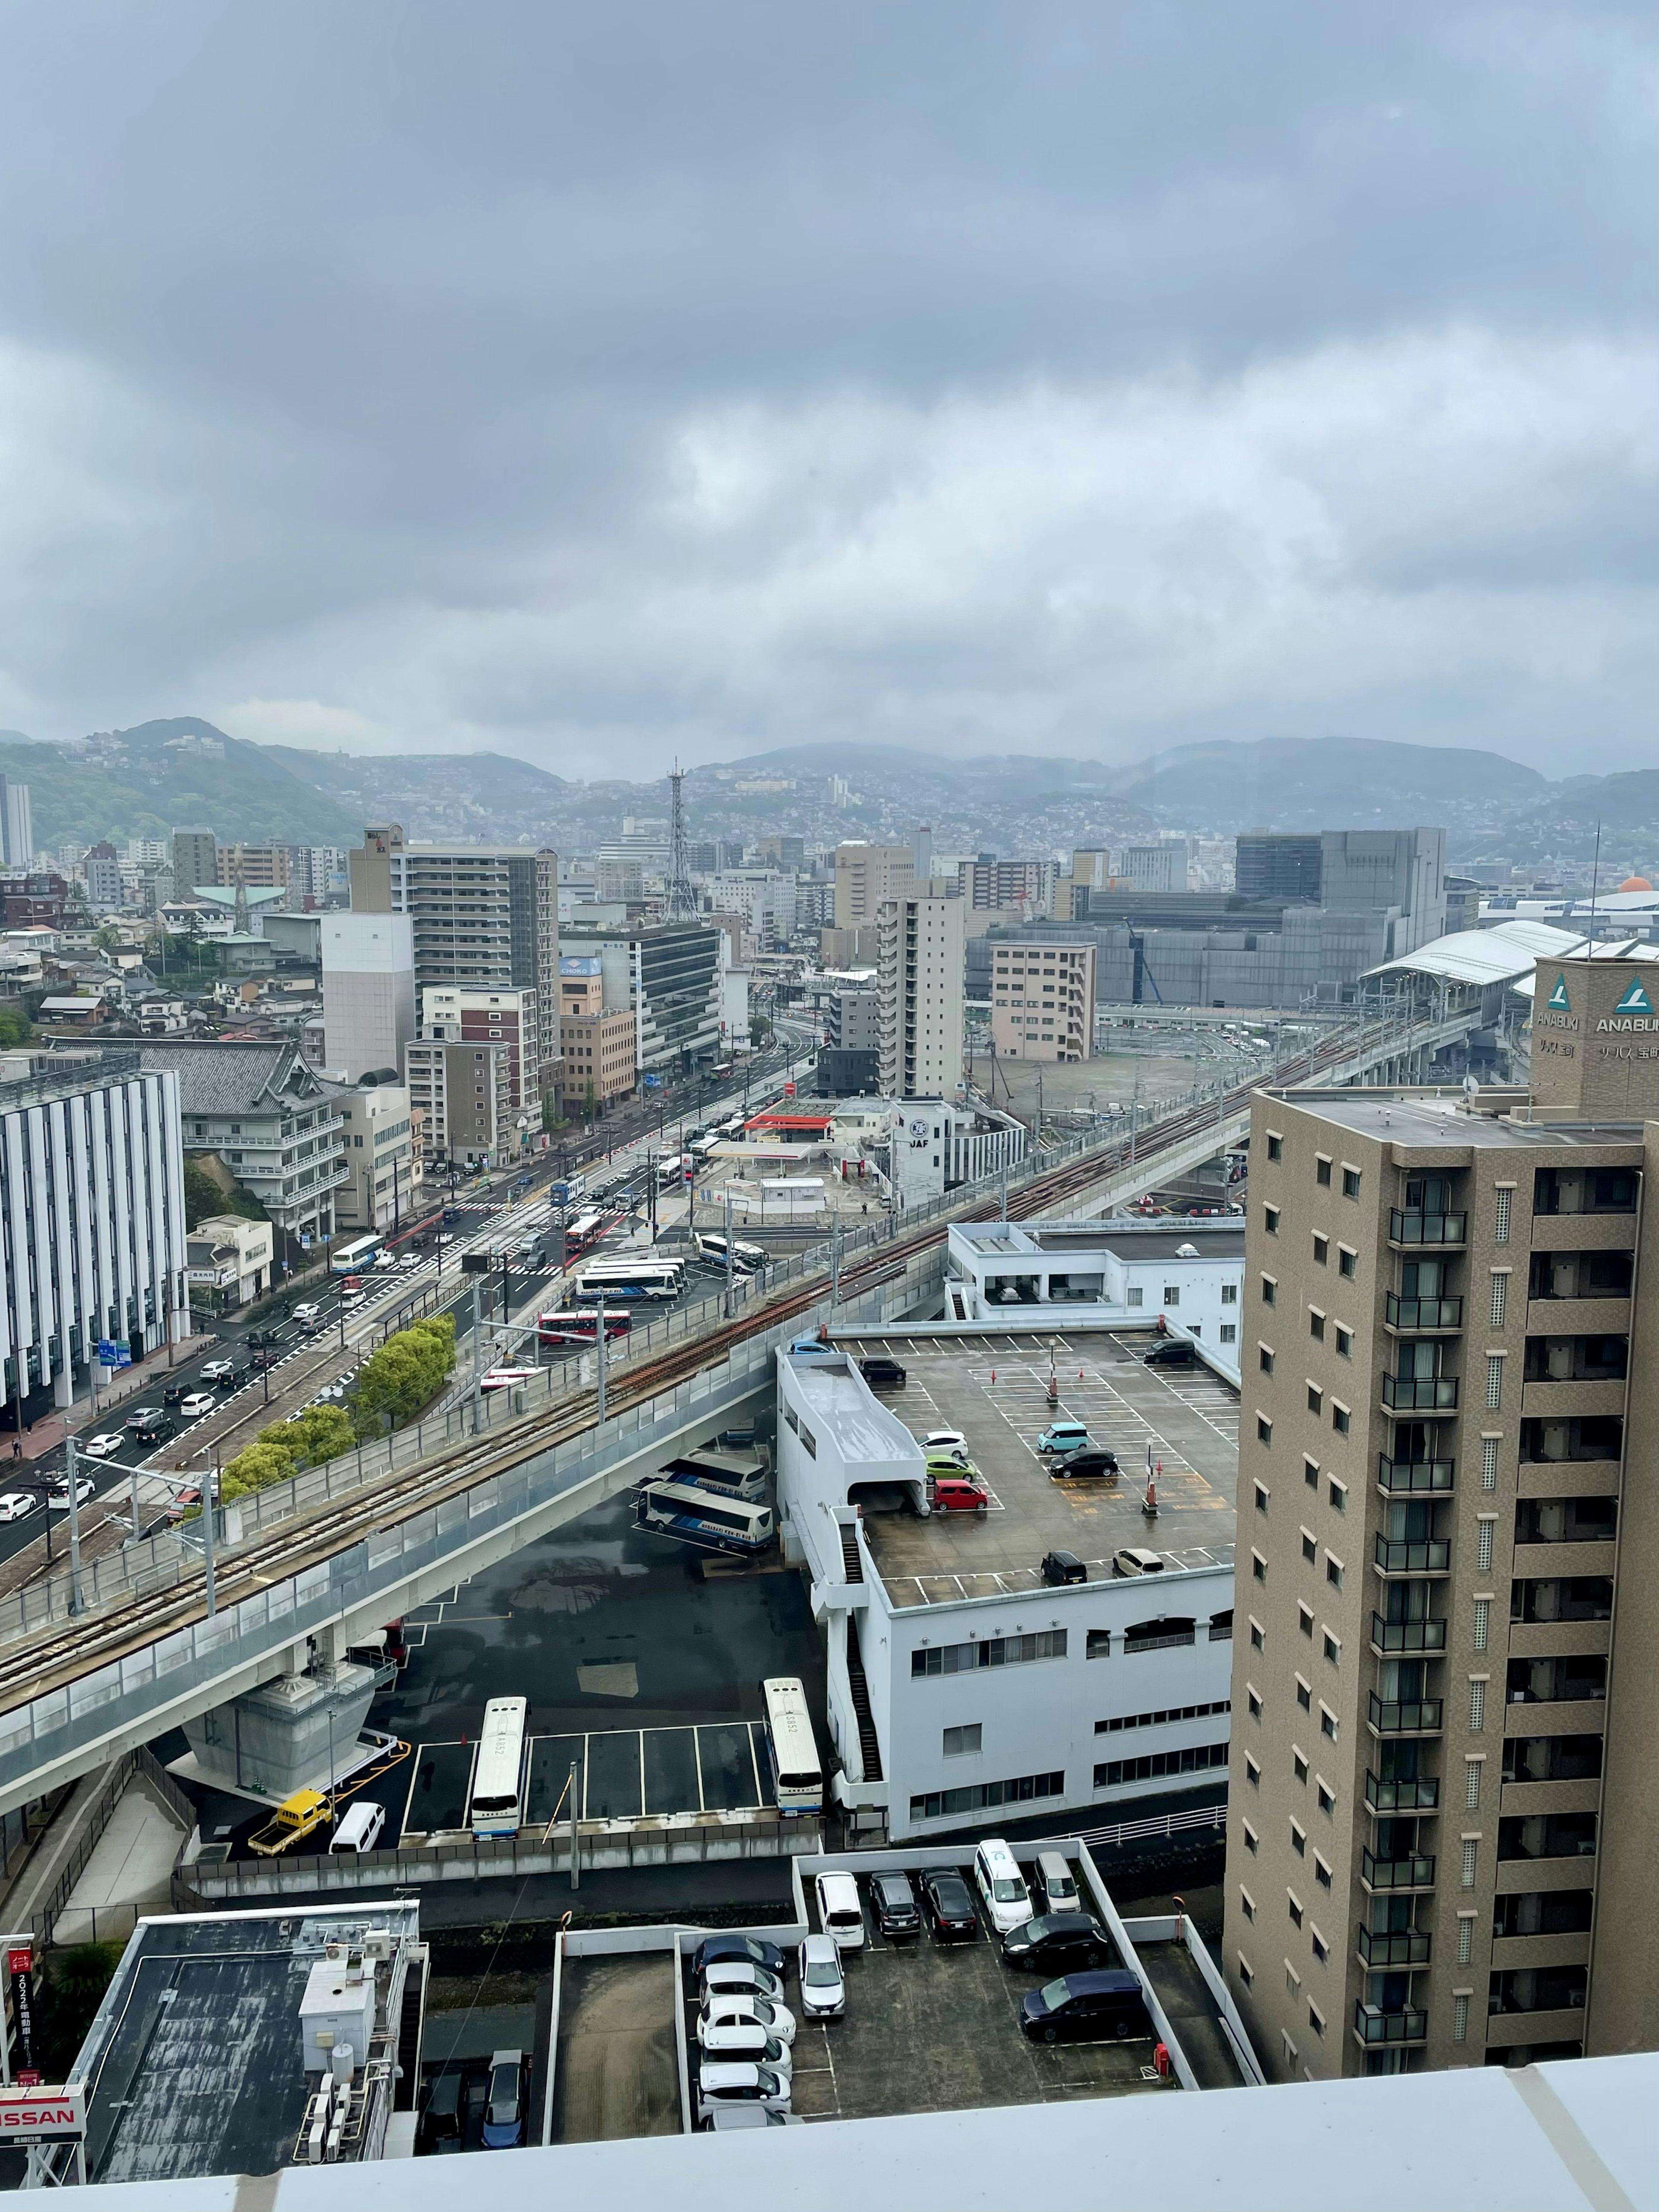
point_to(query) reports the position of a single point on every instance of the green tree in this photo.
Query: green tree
(399, 1381)
(321, 1433)
(760, 1030)
(258, 1466)
(15, 1028)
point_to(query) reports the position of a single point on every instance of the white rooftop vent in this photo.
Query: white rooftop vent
(1187, 1252)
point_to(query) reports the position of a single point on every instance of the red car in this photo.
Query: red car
(957, 1493)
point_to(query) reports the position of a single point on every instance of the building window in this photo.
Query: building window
(1477, 1706)
(1303, 1695)
(1465, 1938)
(1252, 1771)
(1254, 1703)
(1098, 1643)
(1299, 1766)
(1332, 1648)
(1264, 1430)
(1322, 1951)
(1459, 2019)
(1472, 1784)
(1246, 1971)
(1316, 1325)
(1309, 1547)
(1321, 1872)
(1344, 1342)
(1294, 1903)
(1136, 1296)
(1172, 1294)
(1270, 1217)
(1310, 1472)
(1304, 1620)
(983, 1796)
(1322, 1250)
(1500, 1283)
(1483, 1545)
(1316, 1399)
(1298, 1840)
(1489, 1462)
(1333, 1571)
(1196, 1758)
(1229, 1294)
(1328, 1722)
(1275, 1147)
(1500, 1227)
(1350, 1182)
(1339, 1420)
(1482, 1622)
(989, 1651)
(1266, 1358)
(1269, 1290)
(1347, 1262)
(1247, 1903)
(1228, 1332)
(1327, 1800)
(959, 1741)
(1471, 1856)
(1338, 1494)
(1257, 1638)
(1494, 1378)
(1251, 1839)
(1322, 1170)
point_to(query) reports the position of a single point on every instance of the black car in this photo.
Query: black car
(1093, 1461)
(156, 1431)
(949, 1903)
(1094, 2007)
(176, 1393)
(1058, 1943)
(1060, 1568)
(882, 1373)
(452, 1213)
(894, 1903)
(1171, 1352)
(737, 1947)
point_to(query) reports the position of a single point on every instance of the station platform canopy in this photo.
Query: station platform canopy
(1508, 953)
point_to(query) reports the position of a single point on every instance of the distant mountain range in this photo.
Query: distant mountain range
(146, 780)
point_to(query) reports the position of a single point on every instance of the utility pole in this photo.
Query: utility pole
(75, 1524)
(477, 1355)
(730, 1260)
(835, 1261)
(575, 1826)
(601, 1348)
(209, 1500)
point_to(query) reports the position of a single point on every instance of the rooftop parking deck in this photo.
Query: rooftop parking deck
(994, 1389)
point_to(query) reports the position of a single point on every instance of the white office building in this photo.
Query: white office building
(368, 991)
(963, 1691)
(92, 1218)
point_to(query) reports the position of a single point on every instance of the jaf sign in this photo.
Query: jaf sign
(31, 2114)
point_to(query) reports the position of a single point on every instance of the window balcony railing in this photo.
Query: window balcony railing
(1410, 1477)
(1407, 1635)
(1422, 1313)
(1421, 1795)
(1405, 1228)
(1413, 1873)
(1405, 1946)
(1406, 1716)
(1372, 2026)
(1420, 1393)
(1430, 1555)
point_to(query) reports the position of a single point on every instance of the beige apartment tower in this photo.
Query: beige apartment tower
(1444, 1783)
(866, 877)
(1042, 1000)
(919, 972)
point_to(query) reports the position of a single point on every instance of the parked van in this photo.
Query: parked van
(440, 2122)
(1063, 1437)
(1134, 1559)
(1001, 1885)
(359, 1831)
(1059, 1882)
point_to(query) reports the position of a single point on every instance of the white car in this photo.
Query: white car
(307, 1313)
(218, 1370)
(59, 1494)
(947, 1444)
(723, 2084)
(740, 1978)
(198, 1403)
(410, 1260)
(840, 1911)
(101, 1447)
(1002, 1886)
(823, 1988)
(15, 1503)
(746, 2039)
(731, 2009)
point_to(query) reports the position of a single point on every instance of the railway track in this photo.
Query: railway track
(92, 1641)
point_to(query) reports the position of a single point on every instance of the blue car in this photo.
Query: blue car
(813, 1344)
(503, 2127)
(1103, 2005)
(751, 1950)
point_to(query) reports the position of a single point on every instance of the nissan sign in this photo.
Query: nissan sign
(32, 2115)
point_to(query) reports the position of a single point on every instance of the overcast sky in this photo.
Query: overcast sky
(599, 382)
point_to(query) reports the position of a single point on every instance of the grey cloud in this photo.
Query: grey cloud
(354, 354)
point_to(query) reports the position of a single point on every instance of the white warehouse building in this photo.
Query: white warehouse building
(964, 1691)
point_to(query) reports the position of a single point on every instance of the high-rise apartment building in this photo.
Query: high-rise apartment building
(16, 823)
(261, 868)
(484, 920)
(368, 991)
(668, 982)
(920, 978)
(512, 1018)
(1027, 885)
(1042, 998)
(194, 862)
(1445, 1782)
(866, 877)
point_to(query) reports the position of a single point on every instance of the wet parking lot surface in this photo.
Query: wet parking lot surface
(635, 1667)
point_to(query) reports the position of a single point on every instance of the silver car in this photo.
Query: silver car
(726, 2083)
(823, 1987)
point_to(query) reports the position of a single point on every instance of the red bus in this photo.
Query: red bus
(582, 1326)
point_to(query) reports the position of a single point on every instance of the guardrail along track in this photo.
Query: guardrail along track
(320, 1532)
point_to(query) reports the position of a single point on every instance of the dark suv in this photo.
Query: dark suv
(1058, 1943)
(894, 1902)
(881, 1373)
(1173, 1351)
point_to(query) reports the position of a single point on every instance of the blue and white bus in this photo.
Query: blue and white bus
(797, 1776)
(498, 1776)
(698, 1517)
(355, 1258)
(629, 1279)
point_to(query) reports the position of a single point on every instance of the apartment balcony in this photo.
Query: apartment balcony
(1407, 1947)
(1430, 1555)
(1373, 2027)
(1422, 1316)
(1411, 1478)
(1434, 1231)
(1422, 1795)
(1420, 1393)
(1393, 1717)
(1393, 1874)
(1392, 1636)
